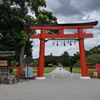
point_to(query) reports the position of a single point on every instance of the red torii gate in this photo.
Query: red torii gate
(80, 35)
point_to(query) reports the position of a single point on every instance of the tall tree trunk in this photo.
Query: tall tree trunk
(22, 55)
(22, 49)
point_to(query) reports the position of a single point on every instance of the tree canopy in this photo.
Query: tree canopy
(13, 19)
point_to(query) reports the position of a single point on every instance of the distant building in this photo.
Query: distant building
(50, 65)
(59, 65)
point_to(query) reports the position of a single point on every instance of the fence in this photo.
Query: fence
(17, 70)
(21, 73)
(94, 72)
(4, 71)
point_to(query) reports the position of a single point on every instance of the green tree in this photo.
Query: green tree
(24, 5)
(50, 59)
(13, 28)
(65, 59)
(95, 50)
(13, 19)
(76, 57)
(92, 56)
(35, 62)
(14, 63)
(77, 64)
(93, 59)
(10, 27)
(46, 17)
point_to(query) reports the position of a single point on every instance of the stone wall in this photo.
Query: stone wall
(10, 79)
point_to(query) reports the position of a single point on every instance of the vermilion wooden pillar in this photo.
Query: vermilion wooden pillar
(84, 69)
(41, 55)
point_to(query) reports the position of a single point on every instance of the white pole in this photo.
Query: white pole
(62, 75)
(71, 75)
(52, 76)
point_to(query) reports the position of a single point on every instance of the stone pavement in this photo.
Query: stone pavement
(53, 88)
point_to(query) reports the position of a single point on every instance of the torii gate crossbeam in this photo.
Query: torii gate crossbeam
(80, 35)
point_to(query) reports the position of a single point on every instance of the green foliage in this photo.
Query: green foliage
(35, 62)
(95, 50)
(30, 19)
(93, 59)
(28, 50)
(13, 19)
(74, 70)
(77, 64)
(49, 69)
(76, 57)
(92, 56)
(46, 17)
(14, 63)
(51, 60)
(36, 4)
(24, 38)
(64, 59)
(10, 26)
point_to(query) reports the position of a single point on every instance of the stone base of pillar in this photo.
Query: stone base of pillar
(40, 78)
(85, 77)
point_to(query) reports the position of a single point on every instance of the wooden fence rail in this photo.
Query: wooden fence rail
(17, 71)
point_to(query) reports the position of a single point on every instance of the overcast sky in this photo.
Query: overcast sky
(72, 11)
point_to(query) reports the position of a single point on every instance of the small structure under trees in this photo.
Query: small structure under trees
(6, 76)
(5, 59)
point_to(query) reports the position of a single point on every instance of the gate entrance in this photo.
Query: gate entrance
(80, 35)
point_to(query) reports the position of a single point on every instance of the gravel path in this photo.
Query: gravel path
(53, 88)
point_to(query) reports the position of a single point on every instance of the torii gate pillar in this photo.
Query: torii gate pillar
(84, 68)
(41, 56)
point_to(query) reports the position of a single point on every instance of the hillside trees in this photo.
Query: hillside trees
(64, 59)
(92, 58)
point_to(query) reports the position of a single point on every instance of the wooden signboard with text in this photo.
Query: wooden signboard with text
(3, 63)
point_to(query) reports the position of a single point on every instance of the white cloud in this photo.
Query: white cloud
(52, 5)
(73, 11)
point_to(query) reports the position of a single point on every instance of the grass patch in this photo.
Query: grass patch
(14, 69)
(49, 69)
(75, 70)
(91, 69)
(46, 69)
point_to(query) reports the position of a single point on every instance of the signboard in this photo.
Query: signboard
(3, 63)
(6, 55)
(28, 61)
